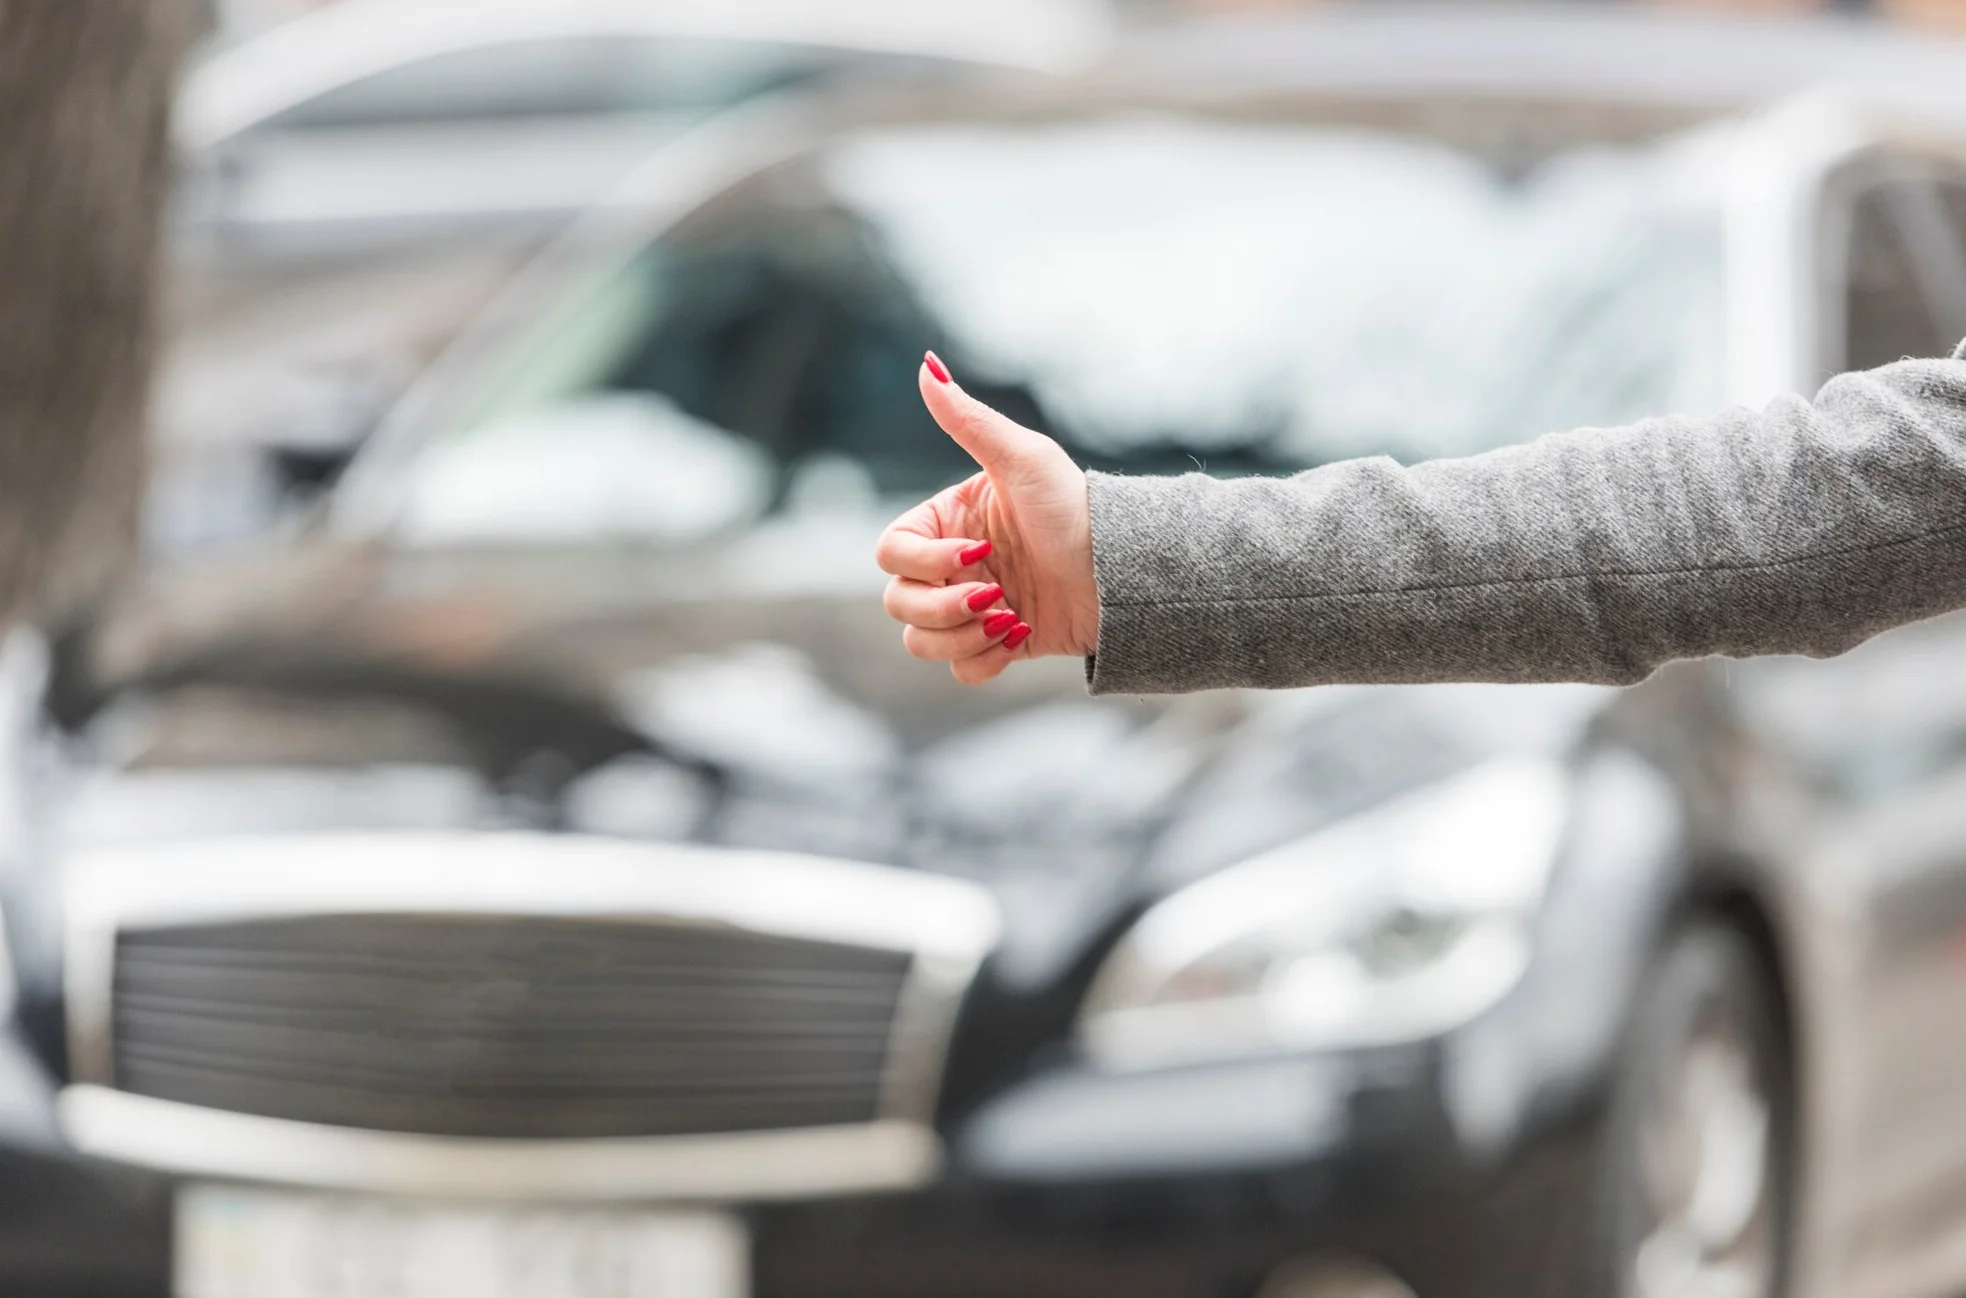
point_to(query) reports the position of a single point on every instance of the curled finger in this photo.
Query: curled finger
(905, 551)
(925, 604)
(946, 646)
(978, 668)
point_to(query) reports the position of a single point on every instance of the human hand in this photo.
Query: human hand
(999, 566)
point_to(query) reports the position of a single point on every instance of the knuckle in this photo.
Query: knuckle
(932, 643)
(976, 418)
(976, 668)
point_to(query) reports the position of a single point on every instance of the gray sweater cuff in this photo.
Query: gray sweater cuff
(1150, 539)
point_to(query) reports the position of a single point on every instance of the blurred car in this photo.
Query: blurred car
(354, 183)
(550, 873)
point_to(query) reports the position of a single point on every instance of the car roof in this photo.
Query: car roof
(239, 85)
(1577, 53)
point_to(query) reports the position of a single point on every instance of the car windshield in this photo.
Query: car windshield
(1159, 293)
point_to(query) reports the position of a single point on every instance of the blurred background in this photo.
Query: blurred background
(357, 186)
(497, 845)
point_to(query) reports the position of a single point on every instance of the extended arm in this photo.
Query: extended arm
(1595, 555)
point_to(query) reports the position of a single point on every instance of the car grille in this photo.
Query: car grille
(496, 1026)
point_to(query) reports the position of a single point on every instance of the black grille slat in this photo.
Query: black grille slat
(505, 1026)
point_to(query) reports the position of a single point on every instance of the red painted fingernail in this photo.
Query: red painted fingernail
(975, 553)
(1018, 635)
(998, 623)
(982, 599)
(936, 367)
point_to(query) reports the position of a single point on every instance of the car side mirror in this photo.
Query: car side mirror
(302, 473)
(307, 454)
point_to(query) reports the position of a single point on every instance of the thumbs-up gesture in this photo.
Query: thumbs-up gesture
(999, 566)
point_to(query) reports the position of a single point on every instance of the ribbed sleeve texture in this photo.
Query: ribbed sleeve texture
(1595, 555)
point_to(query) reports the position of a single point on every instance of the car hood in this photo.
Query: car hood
(357, 688)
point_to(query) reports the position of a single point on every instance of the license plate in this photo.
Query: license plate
(239, 1242)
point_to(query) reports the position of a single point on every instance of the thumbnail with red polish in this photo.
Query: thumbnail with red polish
(998, 623)
(981, 550)
(1018, 635)
(936, 367)
(982, 599)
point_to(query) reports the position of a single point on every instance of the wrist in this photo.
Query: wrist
(1083, 581)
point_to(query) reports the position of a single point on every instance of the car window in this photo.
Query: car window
(559, 77)
(1308, 294)
(1158, 294)
(1904, 283)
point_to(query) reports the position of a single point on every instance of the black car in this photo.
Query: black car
(548, 875)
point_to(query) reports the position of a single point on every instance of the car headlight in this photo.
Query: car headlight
(1394, 925)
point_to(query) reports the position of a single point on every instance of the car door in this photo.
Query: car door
(1895, 716)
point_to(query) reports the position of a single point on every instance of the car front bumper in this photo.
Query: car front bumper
(1196, 1183)
(1209, 1182)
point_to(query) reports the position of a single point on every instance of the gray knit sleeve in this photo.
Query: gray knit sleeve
(1594, 555)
